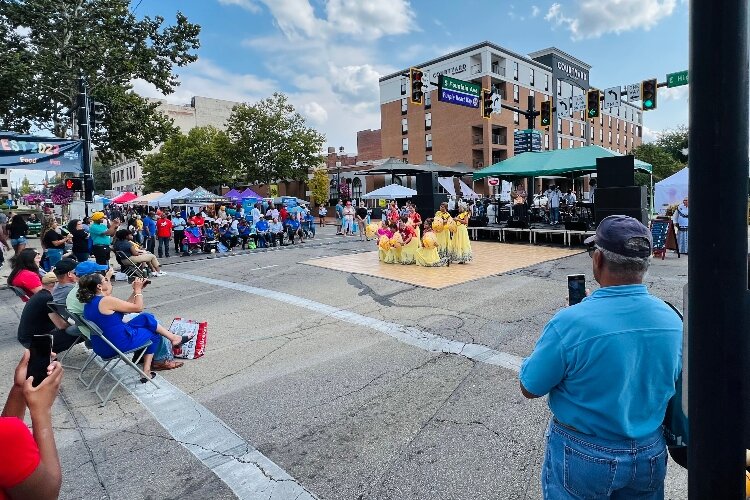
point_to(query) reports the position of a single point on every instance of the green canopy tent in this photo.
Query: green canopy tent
(555, 163)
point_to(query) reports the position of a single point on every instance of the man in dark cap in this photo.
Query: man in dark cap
(609, 365)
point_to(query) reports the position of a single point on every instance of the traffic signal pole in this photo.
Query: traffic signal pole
(718, 324)
(84, 127)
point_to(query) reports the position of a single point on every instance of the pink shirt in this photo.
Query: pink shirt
(27, 280)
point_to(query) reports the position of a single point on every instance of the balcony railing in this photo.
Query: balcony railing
(476, 69)
(499, 140)
(478, 139)
(498, 70)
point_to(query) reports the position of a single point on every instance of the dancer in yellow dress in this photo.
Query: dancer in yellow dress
(442, 233)
(428, 256)
(460, 244)
(411, 241)
(394, 254)
(384, 243)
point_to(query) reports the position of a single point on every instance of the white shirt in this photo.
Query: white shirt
(553, 197)
(255, 213)
(274, 213)
(680, 216)
(570, 198)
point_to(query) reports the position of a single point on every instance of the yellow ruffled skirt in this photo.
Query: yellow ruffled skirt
(443, 242)
(428, 257)
(408, 252)
(461, 245)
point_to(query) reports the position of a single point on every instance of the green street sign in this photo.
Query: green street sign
(677, 79)
(461, 86)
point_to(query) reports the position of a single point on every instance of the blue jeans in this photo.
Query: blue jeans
(579, 466)
(554, 214)
(54, 255)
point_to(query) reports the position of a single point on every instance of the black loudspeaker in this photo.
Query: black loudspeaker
(428, 204)
(621, 197)
(579, 225)
(615, 171)
(427, 183)
(520, 224)
(637, 213)
(479, 221)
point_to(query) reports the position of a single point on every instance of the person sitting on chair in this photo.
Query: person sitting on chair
(293, 228)
(24, 272)
(276, 230)
(125, 244)
(106, 312)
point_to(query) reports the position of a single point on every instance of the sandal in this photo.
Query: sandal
(166, 365)
(144, 379)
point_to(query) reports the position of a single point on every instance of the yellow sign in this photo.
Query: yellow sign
(381, 203)
(273, 190)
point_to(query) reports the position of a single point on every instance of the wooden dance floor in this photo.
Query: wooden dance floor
(489, 259)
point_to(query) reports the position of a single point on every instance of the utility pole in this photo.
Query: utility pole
(84, 127)
(719, 301)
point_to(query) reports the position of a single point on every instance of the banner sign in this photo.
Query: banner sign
(40, 153)
(526, 140)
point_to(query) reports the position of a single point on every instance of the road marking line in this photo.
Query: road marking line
(245, 470)
(406, 334)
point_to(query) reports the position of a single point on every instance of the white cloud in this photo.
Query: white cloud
(314, 112)
(245, 4)
(674, 93)
(534, 11)
(593, 18)
(650, 135)
(357, 82)
(373, 18)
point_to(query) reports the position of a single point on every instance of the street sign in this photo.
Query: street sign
(579, 103)
(496, 103)
(612, 97)
(527, 140)
(455, 91)
(563, 106)
(634, 91)
(677, 79)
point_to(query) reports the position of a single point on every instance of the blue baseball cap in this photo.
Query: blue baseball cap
(89, 267)
(622, 235)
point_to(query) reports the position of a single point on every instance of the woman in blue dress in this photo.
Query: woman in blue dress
(106, 311)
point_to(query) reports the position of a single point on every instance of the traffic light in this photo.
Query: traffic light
(593, 104)
(96, 113)
(416, 84)
(648, 94)
(487, 104)
(74, 184)
(88, 189)
(545, 116)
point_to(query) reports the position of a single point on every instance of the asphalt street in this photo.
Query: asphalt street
(326, 383)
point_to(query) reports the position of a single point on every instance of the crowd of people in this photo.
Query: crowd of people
(403, 238)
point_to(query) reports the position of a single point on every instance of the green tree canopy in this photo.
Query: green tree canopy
(319, 185)
(674, 142)
(45, 43)
(271, 141)
(200, 158)
(662, 162)
(26, 186)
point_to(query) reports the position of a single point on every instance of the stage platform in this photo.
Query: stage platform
(490, 259)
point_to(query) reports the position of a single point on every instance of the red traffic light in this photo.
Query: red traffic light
(69, 184)
(74, 184)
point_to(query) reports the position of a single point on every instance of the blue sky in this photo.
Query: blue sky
(327, 55)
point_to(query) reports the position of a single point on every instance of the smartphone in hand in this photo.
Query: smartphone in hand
(576, 288)
(40, 358)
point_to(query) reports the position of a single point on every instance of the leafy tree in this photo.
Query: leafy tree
(102, 176)
(200, 158)
(271, 142)
(662, 162)
(44, 45)
(673, 142)
(319, 185)
(25, 186)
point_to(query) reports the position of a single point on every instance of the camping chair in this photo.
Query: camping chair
(193, 240)
(63, 312)
(20, 292)
(132, 269)
(119, 356)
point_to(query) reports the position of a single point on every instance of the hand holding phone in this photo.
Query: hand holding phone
(40, 358)
(576, 288)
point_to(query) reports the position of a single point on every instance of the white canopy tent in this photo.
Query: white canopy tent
(671, 191)
(390, 192)
(447, 183)
(165, 200)
(466, 191)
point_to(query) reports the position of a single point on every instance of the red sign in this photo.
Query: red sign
(493, 181)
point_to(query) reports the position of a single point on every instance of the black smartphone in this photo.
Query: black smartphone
(576, 288)
(40, 358)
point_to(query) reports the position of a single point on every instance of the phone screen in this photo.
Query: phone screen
(576, 288)
(40, 358)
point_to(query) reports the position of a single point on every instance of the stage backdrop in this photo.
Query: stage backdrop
(40, 153)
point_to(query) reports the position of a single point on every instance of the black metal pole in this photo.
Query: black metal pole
(717, 267)
(85, 134)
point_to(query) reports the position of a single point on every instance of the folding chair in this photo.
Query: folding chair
(132, 269)
(119, 356)
(20, 292)
(60, 309)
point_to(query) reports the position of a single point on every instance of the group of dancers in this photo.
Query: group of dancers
(443, 239)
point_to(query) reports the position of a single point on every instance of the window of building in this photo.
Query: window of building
(428, 141)
(515, 71)
(2, 171)
(531, 77)
(428, 121)
(404, 105)
(570, 128)
(405, 145)
(570, 143)
(333, 192)
(546, 98)
(631, 143)
(591, 133)
(403, 160)
(580, 115)
(559, 87)
(404, 126)
(559, 143)
(546, 141)
(638, 131)
(546, 82)
(4, 183)
(601, 119)
(617, 124)
(583, 130)
(515, 93)
(631, 128)
(609, 121)
(428, 99)
(601, 135)
(559, 124)
(580, 144)
(403, 86)
(609, 136)
(515, 117)
(427, 157)
(357, 188)
(618, 138)
(532, 93)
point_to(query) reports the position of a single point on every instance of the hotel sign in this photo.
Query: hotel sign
(565, 70)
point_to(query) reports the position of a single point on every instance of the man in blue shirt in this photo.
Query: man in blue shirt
(149, 231)
(262, 228)
(609, 365)
(293, 229)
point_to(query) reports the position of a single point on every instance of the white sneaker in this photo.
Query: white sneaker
(160, 273)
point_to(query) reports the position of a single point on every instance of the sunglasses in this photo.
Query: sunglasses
(591, 249)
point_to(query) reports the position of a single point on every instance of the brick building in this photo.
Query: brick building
(448, 134)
